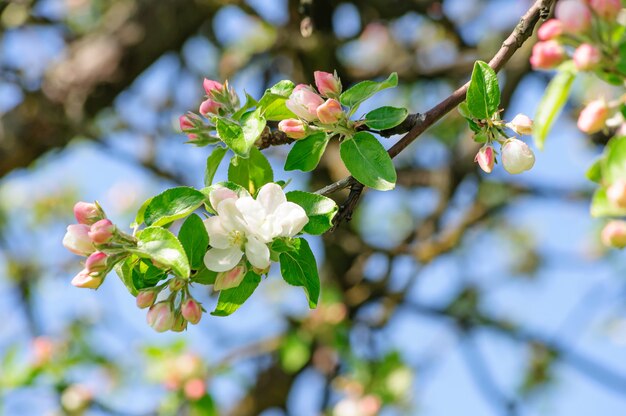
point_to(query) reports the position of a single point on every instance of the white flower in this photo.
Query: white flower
(244, 225)
(517, 156)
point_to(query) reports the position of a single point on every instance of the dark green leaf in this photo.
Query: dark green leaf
(231, 299)
(306, 153)
(251, 173)
(360, 92)
(298, 268)
(318, 208)
(173, 204)
(212, 163)
(483, 94)
(124, 270)
(385, 117)
(204, 276)
(163, 247)
(195, 240)
(368, 161)
(146, 275)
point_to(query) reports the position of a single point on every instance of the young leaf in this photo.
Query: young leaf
(483, 94)
(250, 103)
(298, 268)
(306, 153)
(251, 173)
(139, 218)
(552, 102)
(360, 92)
(160, 245)
(272, 104)
(231, 299)
(318, 208)
(124, 270)
(231, 133)
(385, 117)
(212, 163)
(368, 161)
(253, 124)
(195, 240)
(172, 204)
(594, 173)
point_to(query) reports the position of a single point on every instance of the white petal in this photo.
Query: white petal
(230, 216)
(252, 211)
(257, 253)
(222, 259)
(218, 235)
(220, 193)
(291, 218)
(271, 196)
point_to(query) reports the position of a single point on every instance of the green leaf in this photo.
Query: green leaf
(195, 240)
(231, 299)
(602, 207)
(212, 163)
(146, 275)
(385, 117)
(594, 173)
(483, 94)
(251, 173)
(295, 352)
(173, 204)
(250, 103)
(204, 276)
(202, 407)
(355, 95)
(272, 104)
(162, 246)
(368, 161)
(552, 103)
(305, 155)
(241, 138)
(318, 208)
(253, 124)
(124, 270)
(139, 218)
(615, 163)
(298, 268)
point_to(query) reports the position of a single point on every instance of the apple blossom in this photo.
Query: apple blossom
(616, 193)
(160, 316)
(485, 158)
(327, 84)
(593, 117)
(303, 102)
(87, 213)
(85, 280)
(586, 57)
(191, 310)
(102, 231)
(293, 128)
(574, 15)
(521, 124)
(77, 240)
(547, 55)
(209, 106)
(210, 86)
(230, 278)
(96, 262)
(614, 234)
(550, 29)
(607, 9)
(517, 156)
(246, 225)
(330, 112)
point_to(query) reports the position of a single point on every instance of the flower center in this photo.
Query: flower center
(237, 238)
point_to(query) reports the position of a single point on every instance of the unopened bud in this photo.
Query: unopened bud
(293, 128)
(303, 102)
(327, 84)
(586, 57)
(191, 310)
(146, 298)
(231, 278)
(485, 158)
(330, 112)
(96, 262)
(160, 316)
(87, 213)
(547, 55)
(593, 117)
(521, 124)
(574, 15)
(86, 281)
(209, 106)
(211, 86)
(77, 240)
(186, 125)
(517, 156)
(195, 389)
(614, 234)
(102, 231)
(616, 193)
(551, 29)
(180, 324)
(607, 9)
(177, 284)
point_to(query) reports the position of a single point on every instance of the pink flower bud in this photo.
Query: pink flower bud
(517, 156)
(293, 128)
(160, 316)
(547, 55)
(521, 124)
(102, 231)
(303, 102)
(185, 125)
(210, 86)
(550, 29)
(593, 117)
(327, 84)
(616, 193)
(96, 262)
(607, 9)
(43, 350)
(209, 106)
(87, 213)
(586, 57)
(574, 15)
(85, 280)
(195, 389)
(77, 240)
(485, 158)
(146, 298)
(221, 193)
(614, 234)
(330, 112)
(191, 310)
(231, 278)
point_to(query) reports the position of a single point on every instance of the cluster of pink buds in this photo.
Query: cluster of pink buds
(321, 108)
(89, 237)
(164, 315)
(517, 157)
(574, 20)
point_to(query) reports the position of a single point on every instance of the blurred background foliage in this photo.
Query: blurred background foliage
(457, 293)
